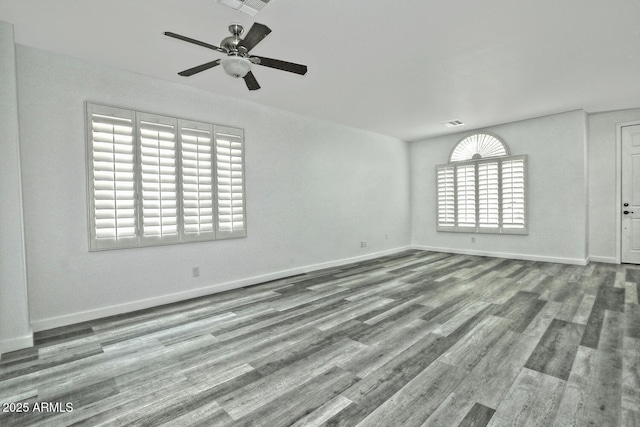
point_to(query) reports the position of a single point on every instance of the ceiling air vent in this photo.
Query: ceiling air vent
(249, 7)
(453, 123)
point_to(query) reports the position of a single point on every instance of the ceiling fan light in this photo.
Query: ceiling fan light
(236, 66)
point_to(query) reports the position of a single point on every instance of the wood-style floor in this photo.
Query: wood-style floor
(414, 339)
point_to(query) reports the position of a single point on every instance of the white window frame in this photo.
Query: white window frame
(203, 200)
(473, 195)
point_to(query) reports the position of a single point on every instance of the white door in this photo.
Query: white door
(631, 194)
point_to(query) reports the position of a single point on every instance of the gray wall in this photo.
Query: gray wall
(557, 192)
(315, 190)
(15, 331)
(604, 172)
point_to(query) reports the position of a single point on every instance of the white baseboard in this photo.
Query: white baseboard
(605, 259)
(17, 343)
(523, 257)
(73, 318)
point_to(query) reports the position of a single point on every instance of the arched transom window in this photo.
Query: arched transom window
(482, 189)
(478, 146)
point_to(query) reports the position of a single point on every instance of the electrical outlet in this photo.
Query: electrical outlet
(386, 236)
(363, 244)
(195, 272)
(473, 239)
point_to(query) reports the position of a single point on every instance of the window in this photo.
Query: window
(482, 189)
(156, 180)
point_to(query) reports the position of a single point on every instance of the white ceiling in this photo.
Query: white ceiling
(395, 67)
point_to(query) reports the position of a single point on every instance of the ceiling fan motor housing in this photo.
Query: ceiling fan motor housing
(232, 43)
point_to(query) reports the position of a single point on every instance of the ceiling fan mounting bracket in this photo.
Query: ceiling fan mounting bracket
(236, 29)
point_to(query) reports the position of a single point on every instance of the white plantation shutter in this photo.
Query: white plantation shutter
(513, 194)
(111, 177)
(478, 146)
(197, 180)
(230, 182)
(159, 186)
(488, 195)
(446, 197)
(155, 180)
(466, 195)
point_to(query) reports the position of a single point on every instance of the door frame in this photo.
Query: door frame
(619, 127)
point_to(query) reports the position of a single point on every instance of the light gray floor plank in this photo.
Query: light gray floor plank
(631, 374)
(492, 377)
(471, 348)
(418, 399)
(576, 394)
(594, 390)
(532, 400)
(630, 418)
(451, 412)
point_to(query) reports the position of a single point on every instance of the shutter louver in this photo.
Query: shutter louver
(513, 197)
(197, 180)
(446, 196)
(488, 195)
(113, 177)
(230, 183)
(466, 195)
(158, 179)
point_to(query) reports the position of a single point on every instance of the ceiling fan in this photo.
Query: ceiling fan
(238, 61)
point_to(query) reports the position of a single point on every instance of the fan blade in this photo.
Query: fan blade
(255, 35)
(282, 65)
(250, 80)
(194, 41)
(199, 68)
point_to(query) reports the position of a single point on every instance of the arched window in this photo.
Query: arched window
(478, 146)
(482, 189)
